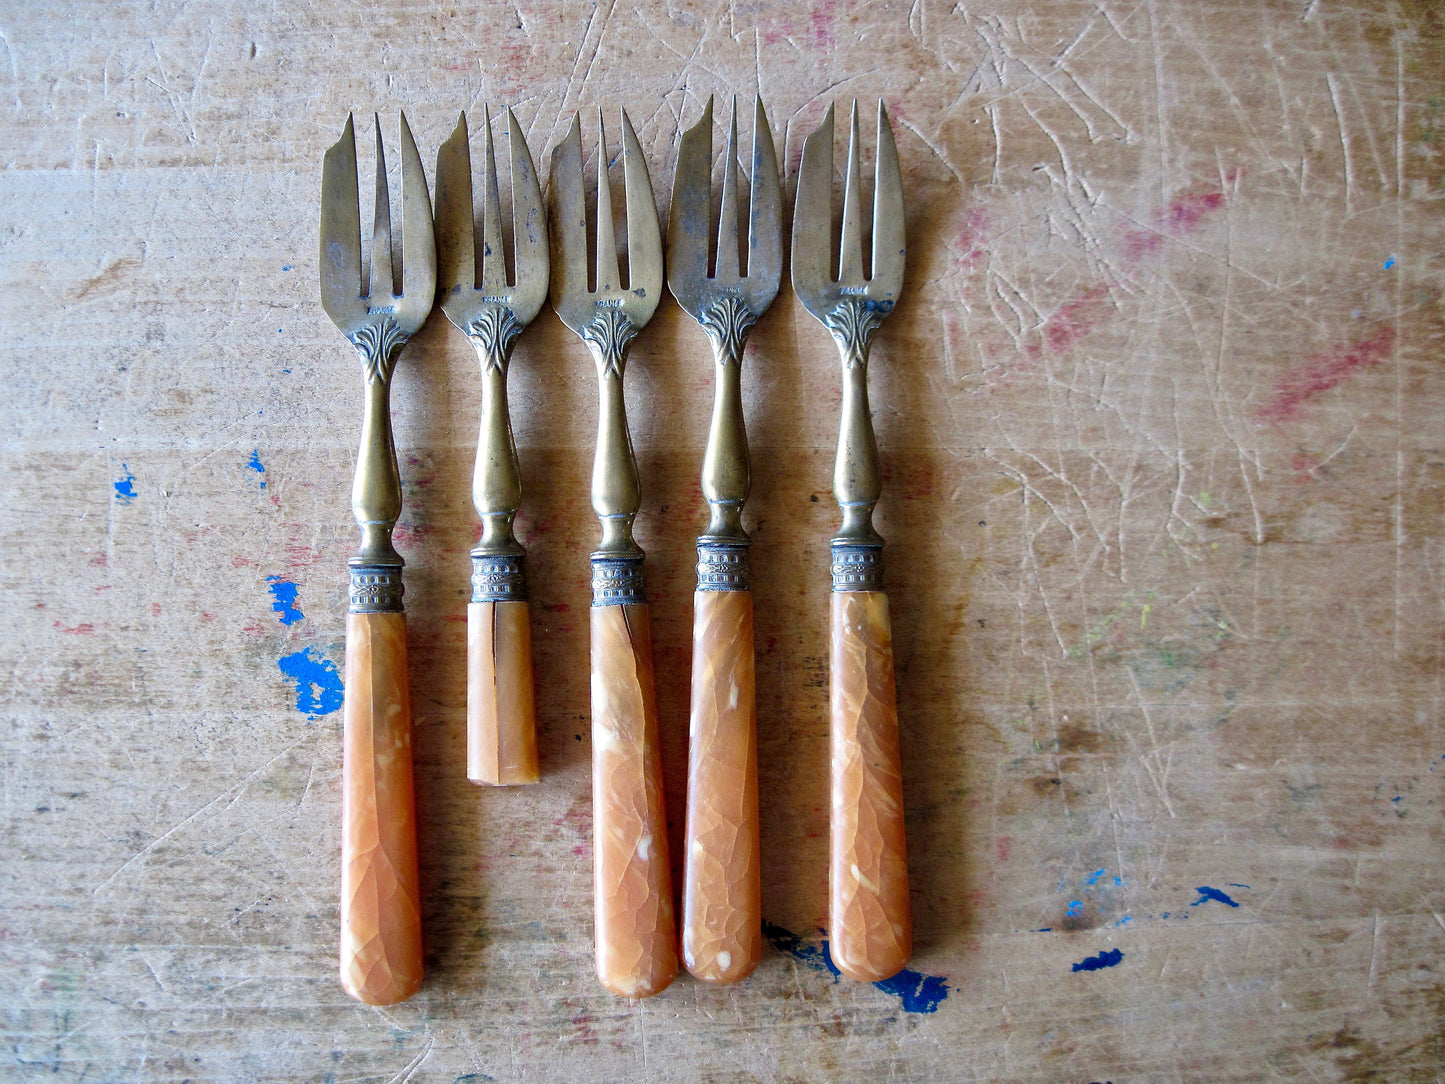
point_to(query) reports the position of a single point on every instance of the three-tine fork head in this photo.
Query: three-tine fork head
(578, 293)
(821, 285)
(694, 280)
(519, 288)
(356, 297)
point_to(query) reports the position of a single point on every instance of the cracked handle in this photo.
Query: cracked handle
(501, 710)
(722, 881)
(381, 954)
(870, 926)
(635, 926)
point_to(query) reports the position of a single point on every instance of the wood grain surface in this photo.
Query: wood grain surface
(1161, 422)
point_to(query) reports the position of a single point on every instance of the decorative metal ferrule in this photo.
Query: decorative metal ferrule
(497, 477)
(498, 577)
(857, 568)
(376, 487)
(375, 589)
(617, 581)
(722, 566)
(616, 494)
(857, 482)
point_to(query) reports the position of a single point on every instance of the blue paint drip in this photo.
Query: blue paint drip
(284, 594)
(1126, 918)
(318, 683)
(1206, 894)
(125, 488)
(256, 465)
(919, 993)
(1389, 263)
(1107, 958)
(1093, 878)
(1076, 907)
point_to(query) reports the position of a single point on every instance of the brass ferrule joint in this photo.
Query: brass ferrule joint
(376, 487)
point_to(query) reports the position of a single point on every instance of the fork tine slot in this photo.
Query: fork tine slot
(765, 235)
(529, 227)
(813, 216)
(850, 252)
(888, 230)
(380, 286)
(340, 228)
(644, 233)
(689, 217)
(418, 238)
(606, 266)
(456, 243)
(567, 219)
(494, 258)
(725, 268)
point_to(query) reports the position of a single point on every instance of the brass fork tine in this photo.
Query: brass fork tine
(418, 236)
(850, 250)
(725, 268)
(608, 277)
(765, 233)
(568, 222)
(644, 234)
(529, 228)
(456, 235)
(812, 261)
(380, 285)
(888, 235)
(690, 218)
(341, 230)
(494, 257)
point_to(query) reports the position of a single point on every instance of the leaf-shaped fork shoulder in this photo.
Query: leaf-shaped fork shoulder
(353, 305)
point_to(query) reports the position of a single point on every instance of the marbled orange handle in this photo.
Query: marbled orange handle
(870, 924)
(722, 882)
(381, 958)
(501, 713)
(636, 929)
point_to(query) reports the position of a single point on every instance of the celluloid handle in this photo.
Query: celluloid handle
(381, 955)
(636, 929)
(722, 882)
(501, 712)
(870, 925)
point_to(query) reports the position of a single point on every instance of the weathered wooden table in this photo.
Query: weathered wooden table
(1161, 420)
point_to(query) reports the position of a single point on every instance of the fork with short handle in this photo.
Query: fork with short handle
(635, 926)
(381, 953)
(501, 714)
(722, 879)
(869, 919)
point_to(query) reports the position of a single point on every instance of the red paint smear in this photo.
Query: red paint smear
(79, 630)
(100, 560)
(155, 609)
(239, 561)
(968, 246)
(1073, 320)
(1323, 372)
(411, 535)
(557, 607)
(101, 587)
(1179, 219)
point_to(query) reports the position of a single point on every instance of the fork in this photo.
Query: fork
(632, 883)
(870, 925)
(722, 881)
(381, 955)
(501, 714)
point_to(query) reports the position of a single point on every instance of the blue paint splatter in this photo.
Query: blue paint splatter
(1107, 958)
(1093, 878)
(283, 593)
(318, 683)
(919, 993)
(1076, 907)
(1126, 918)
(125, 488)
(1206, 894)
(287, 267)
(1389, 263)
(256, 465)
